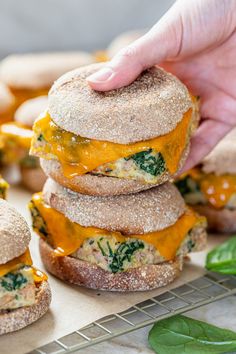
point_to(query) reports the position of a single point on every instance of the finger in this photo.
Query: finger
(161, 42)
(207, 136)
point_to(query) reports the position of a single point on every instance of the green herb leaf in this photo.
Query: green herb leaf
(190, 245)
(148, 162)
(124, 253)
(13, 281)
(222, 259)
(187, 185)
(101, 249)
(183, 335)
(40, 137)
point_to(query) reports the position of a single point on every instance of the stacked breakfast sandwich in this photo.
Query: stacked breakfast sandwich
(108, 216)
(25, 294)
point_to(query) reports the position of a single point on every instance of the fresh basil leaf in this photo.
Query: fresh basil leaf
(222, 259)
(184, 335)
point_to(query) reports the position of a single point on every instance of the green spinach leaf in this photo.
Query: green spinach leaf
(184, 335)
(222, 259)
(123, 253)
(13, 281)
(187, 185)
(182, 185)
(40, 137)
(148, 162)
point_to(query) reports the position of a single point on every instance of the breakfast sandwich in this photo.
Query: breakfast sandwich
(129, 242)
(117, 142)
(25, 294)
(210, 188)
(15, 141)
(31, 75)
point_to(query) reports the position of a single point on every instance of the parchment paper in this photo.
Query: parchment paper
(74, 307)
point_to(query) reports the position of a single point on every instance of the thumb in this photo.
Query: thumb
(161, 42)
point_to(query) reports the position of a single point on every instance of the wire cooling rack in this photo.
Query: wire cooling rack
(202, 291)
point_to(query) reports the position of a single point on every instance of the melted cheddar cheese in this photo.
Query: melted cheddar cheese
(17, 133)
(22, 95)
(66, 236)
(79, 155)
(7, 116)
(24, 259)
(216, 189)
(39, 276)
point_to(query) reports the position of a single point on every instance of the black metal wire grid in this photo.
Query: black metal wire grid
(202, 291)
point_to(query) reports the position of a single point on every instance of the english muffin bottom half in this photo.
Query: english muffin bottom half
(128, 140)
(25, 294)
(122, 243)
(210, 188)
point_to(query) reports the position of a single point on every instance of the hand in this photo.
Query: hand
(196, 41)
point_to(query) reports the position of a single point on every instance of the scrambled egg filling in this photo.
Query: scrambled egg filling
(145, 166)
(208, 189)
(114, 256)
(17, 289)
(111, 253)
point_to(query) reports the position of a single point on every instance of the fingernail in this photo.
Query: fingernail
(101, 76)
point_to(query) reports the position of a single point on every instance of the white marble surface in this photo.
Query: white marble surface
(221, 313)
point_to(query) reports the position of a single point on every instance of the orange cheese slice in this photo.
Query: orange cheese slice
(16, 263)
(66, 236)
(79, 155)
(16, 132)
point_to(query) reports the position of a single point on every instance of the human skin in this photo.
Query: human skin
(196, 41)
